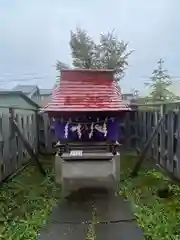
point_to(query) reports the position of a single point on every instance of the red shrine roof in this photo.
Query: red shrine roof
(83, 90)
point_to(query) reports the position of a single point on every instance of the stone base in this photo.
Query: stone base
(87, 174)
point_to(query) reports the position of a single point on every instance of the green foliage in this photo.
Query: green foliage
(109, 53)
(159, 218)
(160, 82)
(60, 65)
(25, 204)
(83, 49)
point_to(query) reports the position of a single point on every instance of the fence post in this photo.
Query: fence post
(162, 136)
(155, 140)
(178, 143)
(6, 165)
(127, 130)
(136, 126)
(144, 127)
(149, 130)
(138, 119)
(143, 153)
(170, 132)
(13, 155)
(47, 133)
(36, 132)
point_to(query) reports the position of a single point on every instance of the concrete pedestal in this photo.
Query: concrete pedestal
(74, 175)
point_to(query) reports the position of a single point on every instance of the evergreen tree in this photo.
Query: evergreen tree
(159, 84)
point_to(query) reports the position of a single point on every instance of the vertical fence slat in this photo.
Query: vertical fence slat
(162, 135)
(144, 127)
(127, 129)
(136, 128)
(20, 144)
(178, 145)
(148, 121)
(155, 140)
(170, 132)
(1, 150)
(6, 153)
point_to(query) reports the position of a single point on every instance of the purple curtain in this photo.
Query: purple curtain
(113, 131)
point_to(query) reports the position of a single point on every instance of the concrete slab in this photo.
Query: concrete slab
(113, 209)
(118, 231)
(70, 218)
(71, 212)
(54, 231)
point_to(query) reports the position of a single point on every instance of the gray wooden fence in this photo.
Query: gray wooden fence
(46, 134)
(12, 152)
(165, 150)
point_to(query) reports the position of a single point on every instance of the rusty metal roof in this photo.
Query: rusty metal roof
(82, 91)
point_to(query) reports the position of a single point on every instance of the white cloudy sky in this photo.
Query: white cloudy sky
(35, 33)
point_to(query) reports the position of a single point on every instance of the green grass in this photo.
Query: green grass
(159, 218)
(26, 201)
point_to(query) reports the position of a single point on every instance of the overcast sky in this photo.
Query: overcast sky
(35, 33)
